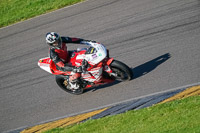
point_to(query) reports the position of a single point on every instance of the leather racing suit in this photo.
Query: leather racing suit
(60, 56)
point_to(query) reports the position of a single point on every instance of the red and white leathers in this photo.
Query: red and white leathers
(60, 57)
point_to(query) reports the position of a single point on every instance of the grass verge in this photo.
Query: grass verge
(13, 11)
(180, 116)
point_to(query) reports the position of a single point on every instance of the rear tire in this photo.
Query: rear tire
(122, 71)
(60, 81)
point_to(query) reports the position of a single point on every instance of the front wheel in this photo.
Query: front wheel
(121, 71)
(64, 84)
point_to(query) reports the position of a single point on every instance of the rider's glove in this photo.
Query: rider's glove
(90, 41)
(78, 69)
(84, 63)
(87, 41)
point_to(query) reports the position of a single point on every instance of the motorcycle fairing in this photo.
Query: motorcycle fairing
(44, 64)
(98, 62)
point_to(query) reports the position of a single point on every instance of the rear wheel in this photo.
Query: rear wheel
(121, 71)
(64, 84)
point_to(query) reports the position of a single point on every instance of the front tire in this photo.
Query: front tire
(121, 71)
(61, 81)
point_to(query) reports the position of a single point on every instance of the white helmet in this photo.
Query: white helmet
(53, 39)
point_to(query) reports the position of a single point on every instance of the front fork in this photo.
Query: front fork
(107, 67)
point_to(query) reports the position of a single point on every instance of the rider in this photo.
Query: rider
(59, 54)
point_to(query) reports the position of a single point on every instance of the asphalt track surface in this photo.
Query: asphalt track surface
(159, 40)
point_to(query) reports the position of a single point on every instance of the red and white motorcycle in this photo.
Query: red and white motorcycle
(98, 68)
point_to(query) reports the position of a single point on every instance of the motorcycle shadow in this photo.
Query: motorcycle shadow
(137, 71)
(149, 66)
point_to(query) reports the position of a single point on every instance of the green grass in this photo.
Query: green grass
(180, 116)
(12, 11)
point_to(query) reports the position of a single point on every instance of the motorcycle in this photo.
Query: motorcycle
(98, 69)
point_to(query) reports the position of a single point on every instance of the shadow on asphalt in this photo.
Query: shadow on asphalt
(138, 71)
(149, 66)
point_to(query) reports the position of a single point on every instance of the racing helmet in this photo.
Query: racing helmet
(53, 39)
